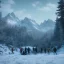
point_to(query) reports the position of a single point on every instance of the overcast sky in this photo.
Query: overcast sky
(38, 10)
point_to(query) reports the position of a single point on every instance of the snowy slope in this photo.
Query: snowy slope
(4, 49)
(61, 50)
(31, 59)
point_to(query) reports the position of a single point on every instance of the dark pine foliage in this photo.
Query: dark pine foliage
(59, 29)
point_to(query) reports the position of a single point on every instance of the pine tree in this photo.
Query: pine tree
(59, 30)
(60, 13)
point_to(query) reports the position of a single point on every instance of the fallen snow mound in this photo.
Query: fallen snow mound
(61, 50)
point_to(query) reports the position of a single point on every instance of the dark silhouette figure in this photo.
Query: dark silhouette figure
(45, 50)
(36, 50)
(25, 51)
(55, 50)
(41, 50)
(28, 50)
(12, 50)
(21, 50)
(33, 50)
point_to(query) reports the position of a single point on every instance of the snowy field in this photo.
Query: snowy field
(32, 59)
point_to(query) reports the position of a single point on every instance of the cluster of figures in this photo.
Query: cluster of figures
(25, 51)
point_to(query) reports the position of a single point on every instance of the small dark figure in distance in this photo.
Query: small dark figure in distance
(12, 50)
(25, 51)
(41, 50)
(33, 50)
(55, 50)
(45, 50)
(21, 50)
(28, 50)
(36, 49)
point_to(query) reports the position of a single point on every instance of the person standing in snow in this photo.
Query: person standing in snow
(20, 50)
(33, 49)
(36, 49)
(41, 50)
(25, 51)
(12, 50)
(55, 50)
(28, 50)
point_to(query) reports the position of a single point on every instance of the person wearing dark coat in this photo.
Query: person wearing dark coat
(28, 50)
(25, 51)
(55, 50)
(36, 49)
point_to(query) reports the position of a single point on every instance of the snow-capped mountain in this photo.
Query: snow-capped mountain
(47, 25)
(11, 19)
(32, 27)
(29, 24)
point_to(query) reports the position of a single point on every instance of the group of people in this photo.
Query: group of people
(25, 51)
(48, 50)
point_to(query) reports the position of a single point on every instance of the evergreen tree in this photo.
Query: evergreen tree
(59, 29)
(60, 12)
(60, 21)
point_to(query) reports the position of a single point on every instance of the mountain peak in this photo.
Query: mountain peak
(11, 16)
(49, 20)
(47, 24)
(27, 19)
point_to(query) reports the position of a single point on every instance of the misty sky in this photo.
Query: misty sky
(38, 10)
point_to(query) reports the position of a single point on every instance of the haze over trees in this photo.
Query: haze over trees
(27, 32)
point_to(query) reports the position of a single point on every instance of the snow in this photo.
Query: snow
(32, 59)
(11, 22)
(16, 58)
(61, 50)
(4, 50)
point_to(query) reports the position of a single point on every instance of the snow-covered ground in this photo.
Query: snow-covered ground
(32, 59)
